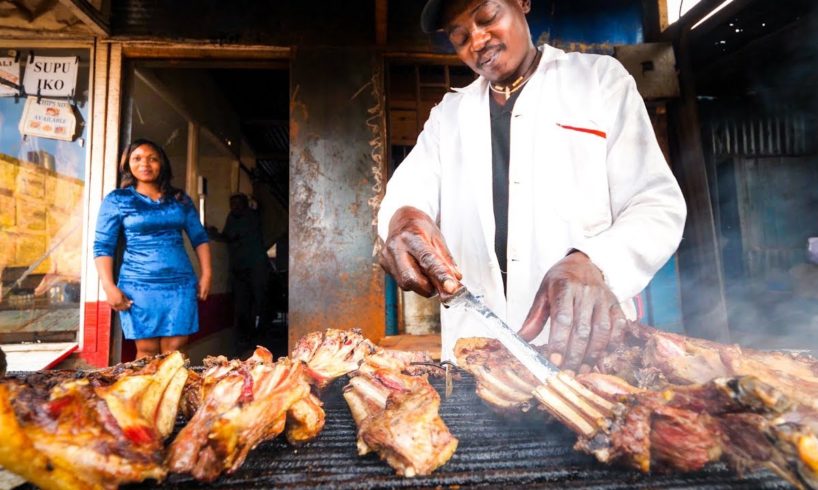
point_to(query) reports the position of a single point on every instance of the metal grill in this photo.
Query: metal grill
(492, 453)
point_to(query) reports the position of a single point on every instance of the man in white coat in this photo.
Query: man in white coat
(540, 187)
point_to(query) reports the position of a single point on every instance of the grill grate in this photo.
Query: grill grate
(492, 453)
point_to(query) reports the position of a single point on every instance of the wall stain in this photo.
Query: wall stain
(377, 125)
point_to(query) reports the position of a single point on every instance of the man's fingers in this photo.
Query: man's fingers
(581, 331)
(436, 270)
(537, 315)
(415, 253)
(397, 261)
(562, 317)
(600, 333)
(410, 276)
(618, 324)
(447, 256)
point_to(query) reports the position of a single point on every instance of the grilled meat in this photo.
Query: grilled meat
(413, 363)
(652, 359)
(97, 429)
(241, 404)
(397, 417)
(305, 419)
(330, 354)
(682, 428)
(745, 421)
(502, 381)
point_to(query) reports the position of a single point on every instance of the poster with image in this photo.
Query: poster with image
(48, 118)
(10, 72)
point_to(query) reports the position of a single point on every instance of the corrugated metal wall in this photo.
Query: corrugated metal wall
(767, 160)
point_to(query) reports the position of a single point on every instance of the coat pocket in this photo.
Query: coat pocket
(583, 177)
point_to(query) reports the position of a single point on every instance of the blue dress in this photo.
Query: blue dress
(156, 273)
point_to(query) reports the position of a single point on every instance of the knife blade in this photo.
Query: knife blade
(536, 363)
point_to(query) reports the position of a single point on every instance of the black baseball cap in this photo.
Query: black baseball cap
(430, 20)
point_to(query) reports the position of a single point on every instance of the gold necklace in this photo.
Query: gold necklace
(516, 84)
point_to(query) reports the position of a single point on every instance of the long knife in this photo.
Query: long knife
(540, 367)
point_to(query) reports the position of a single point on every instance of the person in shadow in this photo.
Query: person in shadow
(249, 268)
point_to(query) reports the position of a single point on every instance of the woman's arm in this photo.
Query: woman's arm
(198, 239)
(203, 254)
(116, 298)
(108, 229)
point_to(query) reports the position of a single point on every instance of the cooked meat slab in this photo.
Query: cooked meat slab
(747, 421)
(91, 430)
(398, 415)
(240, 405)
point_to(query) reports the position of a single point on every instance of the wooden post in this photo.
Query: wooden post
(192, 167)
(703, 303)
(381, 21)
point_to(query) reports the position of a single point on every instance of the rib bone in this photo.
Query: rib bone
(574, 405)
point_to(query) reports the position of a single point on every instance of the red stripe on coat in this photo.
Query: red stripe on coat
(595, 132)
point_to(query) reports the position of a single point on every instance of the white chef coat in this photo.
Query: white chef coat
(585, 173)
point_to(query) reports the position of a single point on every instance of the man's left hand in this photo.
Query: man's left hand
(585, 314)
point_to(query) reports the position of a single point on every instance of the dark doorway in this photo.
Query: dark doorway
(225, 128)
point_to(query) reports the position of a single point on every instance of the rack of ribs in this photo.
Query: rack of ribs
(239, 404)
(331, 353)
(91, 430)
(391, 401)
(651, 359)
(397, 414)
(740, 420)
(746, 421)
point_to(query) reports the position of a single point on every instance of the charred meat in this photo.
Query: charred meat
(241, 404)
(305, 420)
(738, 420)
(330, 354)
(653, 359)
(502, 382)
(97, 429)
(745, 421)
(397, 417)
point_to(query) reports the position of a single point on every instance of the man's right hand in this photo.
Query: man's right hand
(416, 255)
(117, 299)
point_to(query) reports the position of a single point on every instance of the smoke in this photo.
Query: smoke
(759, 129)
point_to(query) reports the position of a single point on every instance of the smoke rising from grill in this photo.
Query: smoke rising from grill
(758, 111)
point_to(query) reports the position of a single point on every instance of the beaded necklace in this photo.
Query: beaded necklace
(520, 82)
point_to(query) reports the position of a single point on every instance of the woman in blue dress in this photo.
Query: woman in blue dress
(157, 288)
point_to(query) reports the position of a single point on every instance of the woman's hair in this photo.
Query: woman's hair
(165, 172)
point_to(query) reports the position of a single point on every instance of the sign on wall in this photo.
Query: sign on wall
(51, 76)
(48, 118)
(10, 72)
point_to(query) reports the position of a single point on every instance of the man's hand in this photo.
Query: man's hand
(585, 314)
(416, 255)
